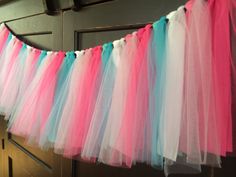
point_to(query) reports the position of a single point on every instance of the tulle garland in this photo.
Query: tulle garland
(163, 95)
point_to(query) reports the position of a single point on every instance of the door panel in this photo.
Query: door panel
(40, 40)
(93, 38)
(13, 9)
(45, 156)
(90, 2)
(42, 31)
(113, 15)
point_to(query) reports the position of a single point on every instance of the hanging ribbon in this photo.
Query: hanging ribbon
(162, 95)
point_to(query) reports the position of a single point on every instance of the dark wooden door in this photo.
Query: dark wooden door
(94, 22)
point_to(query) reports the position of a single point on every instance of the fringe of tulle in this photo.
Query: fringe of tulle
(163, 95)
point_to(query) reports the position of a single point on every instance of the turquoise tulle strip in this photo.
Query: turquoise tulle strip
(66, 65)
(41, 57)
(107, 49)
(49, 135)
(157, 69)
